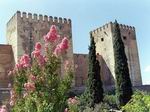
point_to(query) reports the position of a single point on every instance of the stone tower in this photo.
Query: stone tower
(25, 29)
(104, 47)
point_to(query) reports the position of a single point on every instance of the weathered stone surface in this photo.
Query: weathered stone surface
(6, 64)
(104, 46)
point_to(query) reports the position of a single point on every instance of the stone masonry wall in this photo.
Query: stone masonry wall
(6, 64)
(26, 25)
(104, 46)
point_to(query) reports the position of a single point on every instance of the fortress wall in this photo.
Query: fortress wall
(131, 50)
(36, 26)
(104, 47)
(11, 35)
(81, 69)
(6, 64)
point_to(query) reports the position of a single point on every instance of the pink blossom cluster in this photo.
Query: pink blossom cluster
(73, 100)
(63, 46)
(30, 86)
(66, 110)
(51, 35)
(3, 108)
(32, 77)
(37, 54)
(12, 97)
(24, 62)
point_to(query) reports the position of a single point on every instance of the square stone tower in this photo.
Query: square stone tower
(104, 47)
(24, 30)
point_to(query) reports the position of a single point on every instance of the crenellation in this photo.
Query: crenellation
(60, 20)
(50, 19)
(35, 17)
(45, 18)
(40, 17)
(29, 16)
(65, 20)
(55, 20)
(69, 21)
(24, 15)
(18, 14)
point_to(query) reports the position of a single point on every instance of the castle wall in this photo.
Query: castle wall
(129, 39)
(104, 46)
(81, 69)
(6, 64)
(36, 26)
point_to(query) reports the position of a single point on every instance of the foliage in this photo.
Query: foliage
(94, 83)
(140, 102)
(38, 86)
(110, 100)
(73, 104)
(123, 82)
(102, 107)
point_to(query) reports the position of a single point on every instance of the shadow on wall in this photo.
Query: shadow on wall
(106, 75)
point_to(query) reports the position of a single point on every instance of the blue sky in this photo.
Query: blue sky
(87, 15)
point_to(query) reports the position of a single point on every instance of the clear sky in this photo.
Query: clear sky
(87, 15)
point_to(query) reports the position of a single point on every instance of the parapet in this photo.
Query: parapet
(36, 17)
(106, 26)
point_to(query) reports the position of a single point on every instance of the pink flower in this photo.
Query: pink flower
(11, 103)
(51, 35)
(30, 86)
(57, 51)
(10, 73)
(63, 46)
(41, 60)
(38, 46)
(66, 110)
(73, 100)
(3, 109)
(32, 77)
(24, 61)
(25, 94)
(36, 53)
(65, 40)
(60, 48)
(46, 47)
(18, 66)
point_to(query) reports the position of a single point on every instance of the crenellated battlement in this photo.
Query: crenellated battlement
(111, 24)
(36, 17)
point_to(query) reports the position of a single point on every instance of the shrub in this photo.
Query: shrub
(140, 102)
(110, 100)
(38, 86)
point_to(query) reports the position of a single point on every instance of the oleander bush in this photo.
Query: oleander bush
(37, 82)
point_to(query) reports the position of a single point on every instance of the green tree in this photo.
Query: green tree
(94, 84)
(123, 82)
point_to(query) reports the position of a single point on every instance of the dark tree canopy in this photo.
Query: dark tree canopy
(94, 80)
(123, 82)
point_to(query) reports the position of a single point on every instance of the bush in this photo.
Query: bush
(38, 85)
(110, 100)
(102, 107)
(140, 102)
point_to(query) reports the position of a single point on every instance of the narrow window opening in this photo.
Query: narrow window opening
(124, 37)
(102, 39)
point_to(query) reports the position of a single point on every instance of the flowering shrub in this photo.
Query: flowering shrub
(72, 105)
(37, 85)
(3, 108)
